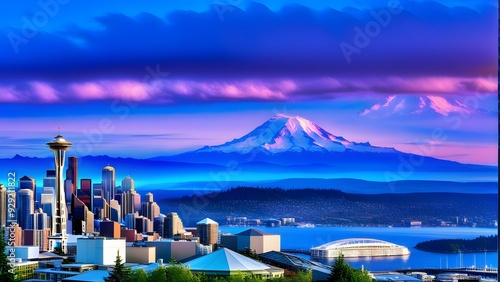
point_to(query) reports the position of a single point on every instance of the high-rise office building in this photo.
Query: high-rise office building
(47, 202)
(50, 179)
(150, 208)
(86, 193)
(68, 192)
(128, 184)
(109, 182)
(83, 218)
(101, 208)
(208, 231)
(72, 171)
(3, 206)
(58, 237)
(27, 182)
(25, 208)
(97, 189)
(159, 225)
(115, 211)
(173, 225)
(39, 220)
(130, 220)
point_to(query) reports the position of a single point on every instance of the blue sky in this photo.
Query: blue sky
(197, 73)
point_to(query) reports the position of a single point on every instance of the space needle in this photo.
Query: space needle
(58, 237)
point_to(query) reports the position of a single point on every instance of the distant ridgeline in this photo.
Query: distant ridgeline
(334, 207)
(480, 244)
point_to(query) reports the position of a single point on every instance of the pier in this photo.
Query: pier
(486, 273)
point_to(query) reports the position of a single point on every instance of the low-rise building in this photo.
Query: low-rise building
(99, 250)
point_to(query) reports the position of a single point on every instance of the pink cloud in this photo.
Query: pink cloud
(45, 92)
(167, 90)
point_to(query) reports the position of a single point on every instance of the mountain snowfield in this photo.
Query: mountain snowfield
(284, 133)
(412, 105)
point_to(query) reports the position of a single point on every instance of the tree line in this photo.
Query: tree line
(479, 244)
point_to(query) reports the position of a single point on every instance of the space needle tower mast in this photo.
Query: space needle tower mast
(58, 237)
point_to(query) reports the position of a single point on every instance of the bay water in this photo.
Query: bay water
(306, 238)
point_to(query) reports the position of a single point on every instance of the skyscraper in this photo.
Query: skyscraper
(109, 183)
(83, 218)
(87, 189)
(39, 220)
(128, 184)
(115, 211)
(27, 182)
(208, 231)
(58, 233)
(173, 225)
(50, 179)
(72, 171)
(25, 208)
(150, 209)
(3, 206)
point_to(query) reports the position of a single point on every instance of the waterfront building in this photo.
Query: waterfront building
(295, 263)
(208, 231)
(358, 247)
(225, 262)
(167, 249)
(252, 239)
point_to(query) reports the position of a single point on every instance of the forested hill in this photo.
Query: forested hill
(334, 207)
(480, 244)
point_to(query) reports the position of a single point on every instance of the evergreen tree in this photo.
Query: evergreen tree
(343, 272)
(139, 275)
(120, 273)
(6, 272)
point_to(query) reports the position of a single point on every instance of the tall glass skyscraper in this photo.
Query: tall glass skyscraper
(27, 182)
(25, 208)
(109, 183)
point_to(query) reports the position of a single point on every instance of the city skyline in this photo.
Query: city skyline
(122, 75)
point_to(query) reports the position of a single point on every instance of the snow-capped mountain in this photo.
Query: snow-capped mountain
(412, 105)
(284, 133)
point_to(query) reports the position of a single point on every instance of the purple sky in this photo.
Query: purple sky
(181, 76)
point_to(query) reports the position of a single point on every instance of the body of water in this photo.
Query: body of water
(305, 238)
